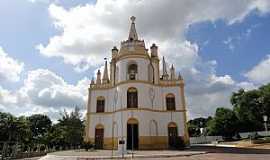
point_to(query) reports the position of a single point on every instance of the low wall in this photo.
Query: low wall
(205, 139)
(29, 155)
(260, 133)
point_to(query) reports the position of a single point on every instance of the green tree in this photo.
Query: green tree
(265, 99)
(5, 119)
(55, 137)
(69, 131)
(225, 123)
(249, 108)
(40, 126)
(195, 125)
(14, 129)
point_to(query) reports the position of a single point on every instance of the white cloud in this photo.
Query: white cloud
(44, 91)
(205, 104)
(262, 5)
(205, 91)
(6, 97)
(10, 68)
(222, 79)
(45, 88)
(87, 33)
(182, 55)
(42, 1)
(261, 72)
(247, 85)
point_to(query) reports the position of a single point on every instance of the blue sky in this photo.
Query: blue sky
(248, 43)
(24, 26)
(52, 48)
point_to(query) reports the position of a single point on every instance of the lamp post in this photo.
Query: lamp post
(265, 122)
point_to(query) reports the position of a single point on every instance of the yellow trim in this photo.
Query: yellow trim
(132, 121)
(99, 126)
(153, 142)
(132, 89)
(145, 142)
(135, 109)
(172, 124)
(170, 95)
(100, 98)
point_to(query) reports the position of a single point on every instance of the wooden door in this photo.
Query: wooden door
(172, 133)
(132, 136)
(99, 136)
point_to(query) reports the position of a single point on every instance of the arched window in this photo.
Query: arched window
(170, 102)
(132, 98)
(100, 104)
(132, 71)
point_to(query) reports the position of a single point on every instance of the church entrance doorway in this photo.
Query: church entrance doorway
(132, 134)
(99, 136)
(172, 135)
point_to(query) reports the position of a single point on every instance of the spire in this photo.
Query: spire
(165, 74)
(179, 76)
(132, 32)
(164, 66)
(172, 73)
(92, 81)
(105, 78)
(98, 77)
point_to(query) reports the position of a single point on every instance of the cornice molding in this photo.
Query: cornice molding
(136, 109)
(131, 55)
(167, 83)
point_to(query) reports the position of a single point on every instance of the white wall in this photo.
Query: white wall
(144, 118)
(144, 100)
(142, 65)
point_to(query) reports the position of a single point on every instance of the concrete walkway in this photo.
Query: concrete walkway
(107, 154)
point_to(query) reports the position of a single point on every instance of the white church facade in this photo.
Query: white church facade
(135, 102)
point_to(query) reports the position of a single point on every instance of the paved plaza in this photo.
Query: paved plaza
(194, 153)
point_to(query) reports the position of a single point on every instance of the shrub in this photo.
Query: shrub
(88, 145)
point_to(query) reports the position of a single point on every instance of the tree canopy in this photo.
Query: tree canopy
(248, 108)
(38, 129)
(225, 123)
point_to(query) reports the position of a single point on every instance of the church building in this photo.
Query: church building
(134, 102)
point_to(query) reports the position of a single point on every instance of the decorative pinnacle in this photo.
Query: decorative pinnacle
(132, 18)
(132, 32)
(172, 67)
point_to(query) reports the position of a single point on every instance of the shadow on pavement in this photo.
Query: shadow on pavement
(231, 150)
